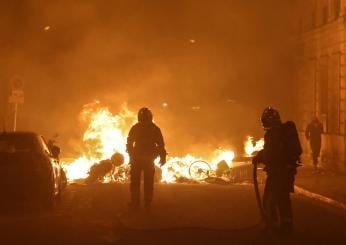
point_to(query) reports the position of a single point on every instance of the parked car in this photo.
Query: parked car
(29, 169)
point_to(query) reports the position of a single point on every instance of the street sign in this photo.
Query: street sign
(17, 91)
(16, 97)
(17, 84)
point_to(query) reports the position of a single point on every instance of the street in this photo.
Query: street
(95, 93)
(180, 214)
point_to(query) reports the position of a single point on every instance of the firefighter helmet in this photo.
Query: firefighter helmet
(270, 117)
(145, 115)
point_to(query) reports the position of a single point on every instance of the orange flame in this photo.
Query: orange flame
(106, 134)
(251, 146)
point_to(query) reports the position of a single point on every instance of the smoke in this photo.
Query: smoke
(215, 63)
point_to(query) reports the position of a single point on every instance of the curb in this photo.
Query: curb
(319, 197)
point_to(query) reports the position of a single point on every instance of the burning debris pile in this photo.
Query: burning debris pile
(106, 134)
(107, 168)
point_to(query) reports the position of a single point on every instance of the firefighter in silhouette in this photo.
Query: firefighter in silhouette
(99, 170)
(281, 156)
(144, 144)
(313, 134)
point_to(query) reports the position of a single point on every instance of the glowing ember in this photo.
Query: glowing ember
(251, 146)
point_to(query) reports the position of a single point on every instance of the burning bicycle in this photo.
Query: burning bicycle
(190, 170)
(200, 170)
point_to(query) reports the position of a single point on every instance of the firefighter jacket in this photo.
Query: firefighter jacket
(145, 141)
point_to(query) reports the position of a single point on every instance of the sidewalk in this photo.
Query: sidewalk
(322, 182)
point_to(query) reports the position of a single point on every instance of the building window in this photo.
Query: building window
(334, 94)
(328, 93)
(325, 14)
(322, 91)
(336, 8)
(322, 12)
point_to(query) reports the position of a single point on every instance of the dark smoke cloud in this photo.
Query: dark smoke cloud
(230, 58)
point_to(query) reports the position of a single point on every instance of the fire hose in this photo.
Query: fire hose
(257, 192)
(180, 228)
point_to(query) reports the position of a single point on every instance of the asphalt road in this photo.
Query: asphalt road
(181, 214)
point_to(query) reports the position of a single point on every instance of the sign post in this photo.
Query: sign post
(16, 98)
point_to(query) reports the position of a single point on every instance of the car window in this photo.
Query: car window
(18, 143)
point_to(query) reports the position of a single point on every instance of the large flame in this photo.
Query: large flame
(251, 146)
(106, 134)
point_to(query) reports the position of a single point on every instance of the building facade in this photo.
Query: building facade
(321, 76)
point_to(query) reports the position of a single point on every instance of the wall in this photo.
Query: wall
(321, 76)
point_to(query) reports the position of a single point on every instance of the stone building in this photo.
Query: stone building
(321, 75)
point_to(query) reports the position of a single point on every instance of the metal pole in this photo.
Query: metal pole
(15, 117)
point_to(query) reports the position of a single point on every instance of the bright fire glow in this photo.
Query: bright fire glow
(251, 146)
(106, 134)
(223, 155)
(176, 168)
